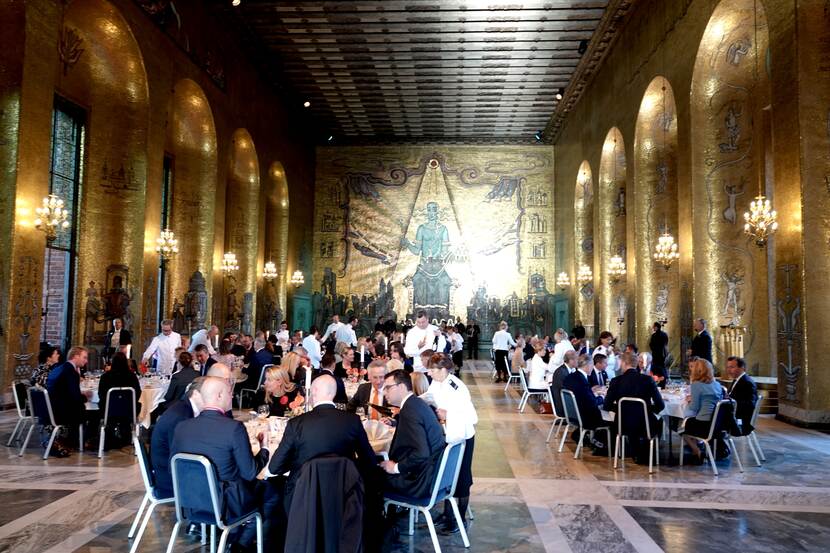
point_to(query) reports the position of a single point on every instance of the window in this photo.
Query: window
(66, 175)
(166, 188)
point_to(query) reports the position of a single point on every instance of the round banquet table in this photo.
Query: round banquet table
(152, 395)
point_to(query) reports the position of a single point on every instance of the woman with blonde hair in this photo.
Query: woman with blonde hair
(278, 392)
(290, 362)
(420, 384)
(705, 394)
(393, 365)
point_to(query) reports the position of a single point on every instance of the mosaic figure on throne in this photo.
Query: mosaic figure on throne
(431, 283)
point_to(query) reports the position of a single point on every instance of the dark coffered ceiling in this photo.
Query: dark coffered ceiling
(466, 71)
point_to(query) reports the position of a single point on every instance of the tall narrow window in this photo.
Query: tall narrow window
(166, 188)
(66, 175)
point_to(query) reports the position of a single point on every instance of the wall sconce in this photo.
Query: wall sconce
(167, 245)
(51, 217)
(585, 275)
(616, 268)
(297, 279)
(229, 263)
(269, 272)
(563, 280)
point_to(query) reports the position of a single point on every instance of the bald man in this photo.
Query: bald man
(325, 430)
(225, 442)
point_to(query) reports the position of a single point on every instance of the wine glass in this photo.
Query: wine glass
(263, 411)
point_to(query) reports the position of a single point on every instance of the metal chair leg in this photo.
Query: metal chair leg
(144, 502)
(433, 534)
(223, 539)
(173, 537)
(101, 438)
(52, 437)
(711, 456)
(564, 435)
(14, 432)
(143, 527)
(579, 445)
(259, 544)
(26, 441)
(731, 443)
(460, 522)
(758, 445)
(616, 451)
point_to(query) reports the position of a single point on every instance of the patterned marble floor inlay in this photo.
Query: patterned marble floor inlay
(527, 497)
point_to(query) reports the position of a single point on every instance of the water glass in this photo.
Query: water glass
(263, 411)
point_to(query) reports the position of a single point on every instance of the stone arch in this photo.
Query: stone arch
(656, 207)
(108, 79)
(613, 297)
(729, 95)
(242, 224)
(191, 142)
(584, 247)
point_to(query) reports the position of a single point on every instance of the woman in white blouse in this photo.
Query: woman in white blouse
(539, 370)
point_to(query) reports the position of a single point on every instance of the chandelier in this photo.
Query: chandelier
(297, 279)
(666, 250)
(584, 275)
(167, 245)
(229, 263)
(563, 280)
(269, 272)
(616, 268)
(51, 217)
(761, 220)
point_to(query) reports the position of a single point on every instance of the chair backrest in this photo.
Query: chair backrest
(196, 489)
(523, 379)
(571, 408)
(757, 410)
(635, 412)
(447, 474)
(718, 417)
(261, 377)
(120, 404)
(19, 393)
(145, 465)
(492, 355)
(41, 405)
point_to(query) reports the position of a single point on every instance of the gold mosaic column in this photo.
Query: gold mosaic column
(729, 93)
(613, 296)
(242, 217)
(585, 292)
(191, 140)
(276, 231)
(655, 212)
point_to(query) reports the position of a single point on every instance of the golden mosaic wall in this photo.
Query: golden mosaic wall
(488, 235)
(583, 236)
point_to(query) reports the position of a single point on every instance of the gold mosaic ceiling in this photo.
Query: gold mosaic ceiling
(465, 71)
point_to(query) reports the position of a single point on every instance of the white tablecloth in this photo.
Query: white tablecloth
(675, 401)
(152, 395)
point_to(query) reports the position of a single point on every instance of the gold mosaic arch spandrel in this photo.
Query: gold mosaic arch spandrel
(191, 140)
(109, 80)
(656, 211)
(730, 91)
(612, 214)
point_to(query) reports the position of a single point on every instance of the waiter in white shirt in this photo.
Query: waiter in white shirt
(502, 342)
(163, 348)
(421, 337)
(562, 345)
(311, 343)
(205, 337)
(283, 335)
(331, 330)
(346, 333)
(456, 411)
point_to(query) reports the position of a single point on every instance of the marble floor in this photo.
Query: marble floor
(527, 497)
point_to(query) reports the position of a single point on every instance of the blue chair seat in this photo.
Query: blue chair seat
(423, 502)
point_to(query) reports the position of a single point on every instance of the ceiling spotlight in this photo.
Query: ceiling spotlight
(331, 137)
(306, 104)
(583, 46)
(236, 2)
(538, 136)
(559, 92)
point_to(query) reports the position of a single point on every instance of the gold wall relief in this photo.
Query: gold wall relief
(656, 212)
(584, 259)
(730, 89)
(273, 301)
(614, 309)
(242, 223)
(110, 82)
(191, 141)
(70, 48)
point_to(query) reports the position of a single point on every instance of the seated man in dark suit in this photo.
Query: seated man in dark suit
(599, 376)
(68, 402)
(327, 365)
(161, 441)
(562, 371)
(588, 403)
(370, 392)
(182, 378)
(202, 356)
(632, 383)
(225, 442)
(743, 391)
(259, 359)
(418, 442)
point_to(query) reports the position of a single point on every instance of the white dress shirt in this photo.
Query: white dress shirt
(453, 396)
(539, 370)
(559, 351)
(332, 329)
(346, 334)
(457, 343)
(283, 336)
(414, 337)
(201, 337)
(312, 346)
(163, 348)
(611, 369)
(503, 341)
(115, 341)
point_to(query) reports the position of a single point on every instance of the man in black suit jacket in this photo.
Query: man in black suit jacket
(558, 381)
(586, 401)
(659, 346)
(204, 359)
(259, 359)
(124, 338)
(184, 376)
(702, 342)
(599, 376)
(224, 441)
(64, 386)
(327, 365)
(743, 391)
(418, 442)
(632, 383)
(364, 395)
(161, 440)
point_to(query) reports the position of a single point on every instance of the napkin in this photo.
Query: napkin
(376, 430)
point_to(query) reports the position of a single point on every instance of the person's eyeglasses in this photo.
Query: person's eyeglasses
(386, 387)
